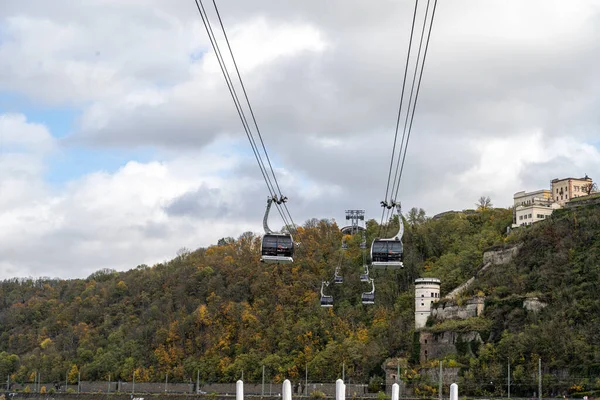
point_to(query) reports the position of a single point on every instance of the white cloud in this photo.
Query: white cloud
(508, 102)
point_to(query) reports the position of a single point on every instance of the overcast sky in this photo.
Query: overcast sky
(119, 143)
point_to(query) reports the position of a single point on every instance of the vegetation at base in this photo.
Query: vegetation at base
(219, 311)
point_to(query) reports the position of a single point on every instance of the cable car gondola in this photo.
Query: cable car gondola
(326, 300)
(369, 297)
(276, 247)
(388, 253)
(364, 277)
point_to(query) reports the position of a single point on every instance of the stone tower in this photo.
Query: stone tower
(427, 292)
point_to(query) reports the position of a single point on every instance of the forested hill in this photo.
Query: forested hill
(220, 311)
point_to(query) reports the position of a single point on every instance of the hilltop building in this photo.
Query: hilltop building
(530, 207)
(565, 189)
(427, 292)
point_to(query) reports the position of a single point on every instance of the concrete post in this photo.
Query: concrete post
(440, 389)
(395, 391)
(287, 390)
(198, 382)
(239, 390)
(340, 390)
(508, 386)
(540, 379)
(454, 391)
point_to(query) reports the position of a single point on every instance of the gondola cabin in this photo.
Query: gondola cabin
(277, 248)
(368, 298)
(387, 253)
(326, 301)
(338, 279)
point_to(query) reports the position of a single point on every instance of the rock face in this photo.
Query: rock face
(498, 257)
(438, 345)
(448, 310)
(533, 304)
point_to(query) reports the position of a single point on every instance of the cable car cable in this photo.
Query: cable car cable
(239, 109)
(397, 177)
(250, 106)
(416, 96)
(410, 104)
(402, 158)
(400, 107)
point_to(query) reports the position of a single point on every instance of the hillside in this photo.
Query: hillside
(220, 311)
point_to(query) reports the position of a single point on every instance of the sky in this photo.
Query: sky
(120, 145)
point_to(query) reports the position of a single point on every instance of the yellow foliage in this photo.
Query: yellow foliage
(45, 343)
(27, 389)
(362, 335)
(43, 389)
(202, 316)
(73, 375)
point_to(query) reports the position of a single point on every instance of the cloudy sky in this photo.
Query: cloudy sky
(119, 143)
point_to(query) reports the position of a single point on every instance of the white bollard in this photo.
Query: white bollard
(454, 391)
(239, 390)
(287, 390)
(395, 391)
(340, 390)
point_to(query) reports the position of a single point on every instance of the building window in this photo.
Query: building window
(422, 304)
(431, 294)
(425, 341)
(431, 301)
(529, 215)
(422, 295)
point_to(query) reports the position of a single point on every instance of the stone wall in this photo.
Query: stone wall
(501, 256)
(439, 345)
(533, 304)
(580, 203)
(449, 375)
(451, 310)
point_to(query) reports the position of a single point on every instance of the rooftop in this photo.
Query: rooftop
(427, 280)
(585, 178)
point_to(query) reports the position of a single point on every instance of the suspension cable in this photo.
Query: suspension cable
(411, 106)
(239, 109)
(399, 110)
(410, 103)
(250, 107)
(416, 96)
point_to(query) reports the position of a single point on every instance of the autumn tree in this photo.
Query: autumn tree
(590, 188)
(416, 216)
(484, 203)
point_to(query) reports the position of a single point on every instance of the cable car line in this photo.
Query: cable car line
(241, 114)
(416, 96)
(412, 105)
(400, 107)
(250, 108)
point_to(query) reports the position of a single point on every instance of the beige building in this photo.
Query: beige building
(530, 207)
(524, 198)
(528, 214)
(565, 189)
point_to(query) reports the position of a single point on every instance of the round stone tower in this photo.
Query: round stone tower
(427, 292)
